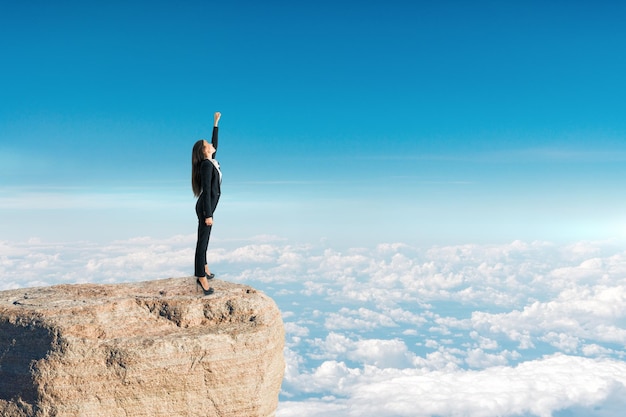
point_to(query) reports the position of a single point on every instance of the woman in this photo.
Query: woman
(206, 179)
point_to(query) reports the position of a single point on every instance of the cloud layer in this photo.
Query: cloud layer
(533, 329)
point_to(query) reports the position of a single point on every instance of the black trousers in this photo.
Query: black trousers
(204, 233)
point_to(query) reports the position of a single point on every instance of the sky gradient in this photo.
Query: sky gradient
(430, 191)
(350, 121)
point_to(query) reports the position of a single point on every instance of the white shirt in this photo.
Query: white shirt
(217, 166)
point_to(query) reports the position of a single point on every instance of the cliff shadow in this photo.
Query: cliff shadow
(21, 346)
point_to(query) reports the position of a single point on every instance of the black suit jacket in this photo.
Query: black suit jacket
(210, 180)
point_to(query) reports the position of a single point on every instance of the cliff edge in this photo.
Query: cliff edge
(153, 348)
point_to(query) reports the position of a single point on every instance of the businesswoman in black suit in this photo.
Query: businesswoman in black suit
(206, 179)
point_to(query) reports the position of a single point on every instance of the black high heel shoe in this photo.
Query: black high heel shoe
(199, 284)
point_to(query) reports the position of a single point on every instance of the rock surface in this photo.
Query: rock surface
(155, 348)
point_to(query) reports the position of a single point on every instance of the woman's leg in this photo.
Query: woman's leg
(204, 233)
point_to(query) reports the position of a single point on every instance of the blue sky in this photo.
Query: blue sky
(430, 191)
(349, 121)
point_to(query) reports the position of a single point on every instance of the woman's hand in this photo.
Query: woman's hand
(208, 221)
(216, 118)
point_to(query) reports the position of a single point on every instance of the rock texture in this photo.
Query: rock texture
(155, 348)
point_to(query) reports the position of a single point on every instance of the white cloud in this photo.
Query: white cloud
(362, 318)
(313, 408)
(539, 388)
(35, 263)
(582, 312)
(478, 358)
(295, 330)
(383, 353)
(401, 331)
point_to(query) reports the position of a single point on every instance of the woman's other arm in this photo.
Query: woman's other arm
(206, 175)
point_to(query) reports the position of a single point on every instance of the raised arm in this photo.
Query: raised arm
(216, 119)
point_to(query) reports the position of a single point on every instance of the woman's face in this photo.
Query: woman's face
(208, 149)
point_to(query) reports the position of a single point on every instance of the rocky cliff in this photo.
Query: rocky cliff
(153, 348)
